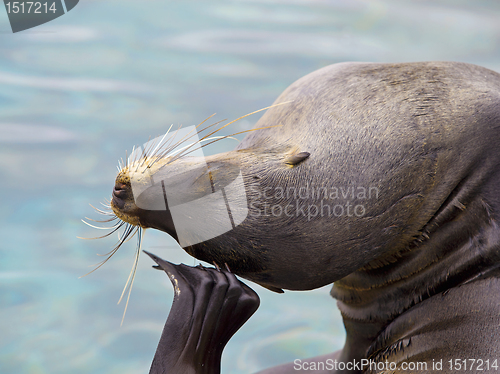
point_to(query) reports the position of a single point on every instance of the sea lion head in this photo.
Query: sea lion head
(368, 162)
(200, 202)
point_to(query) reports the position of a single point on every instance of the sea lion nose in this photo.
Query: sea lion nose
(120, 190)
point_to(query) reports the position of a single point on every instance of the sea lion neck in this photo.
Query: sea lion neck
(462, 250)
(449, 253)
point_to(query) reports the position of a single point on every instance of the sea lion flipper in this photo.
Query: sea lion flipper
(231, 304)
(209, 307)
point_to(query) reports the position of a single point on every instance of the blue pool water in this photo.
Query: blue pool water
(77, 92)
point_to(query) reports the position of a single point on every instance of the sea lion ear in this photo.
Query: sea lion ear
(296, 158)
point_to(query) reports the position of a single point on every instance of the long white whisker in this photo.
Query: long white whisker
(103, 221)
(198, 142)
(143, 155)
(101, 228)
(161, 141)
(169, 149)
(130, 155)
(132, 272)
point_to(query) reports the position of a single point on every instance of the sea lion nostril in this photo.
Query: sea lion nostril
(120, 186)
(120, 190)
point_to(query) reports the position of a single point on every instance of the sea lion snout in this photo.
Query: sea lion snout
(120, 193)
(122, 201)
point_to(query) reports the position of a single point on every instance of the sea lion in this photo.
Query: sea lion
(382, 178)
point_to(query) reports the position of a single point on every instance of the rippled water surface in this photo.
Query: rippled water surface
(77, 92)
